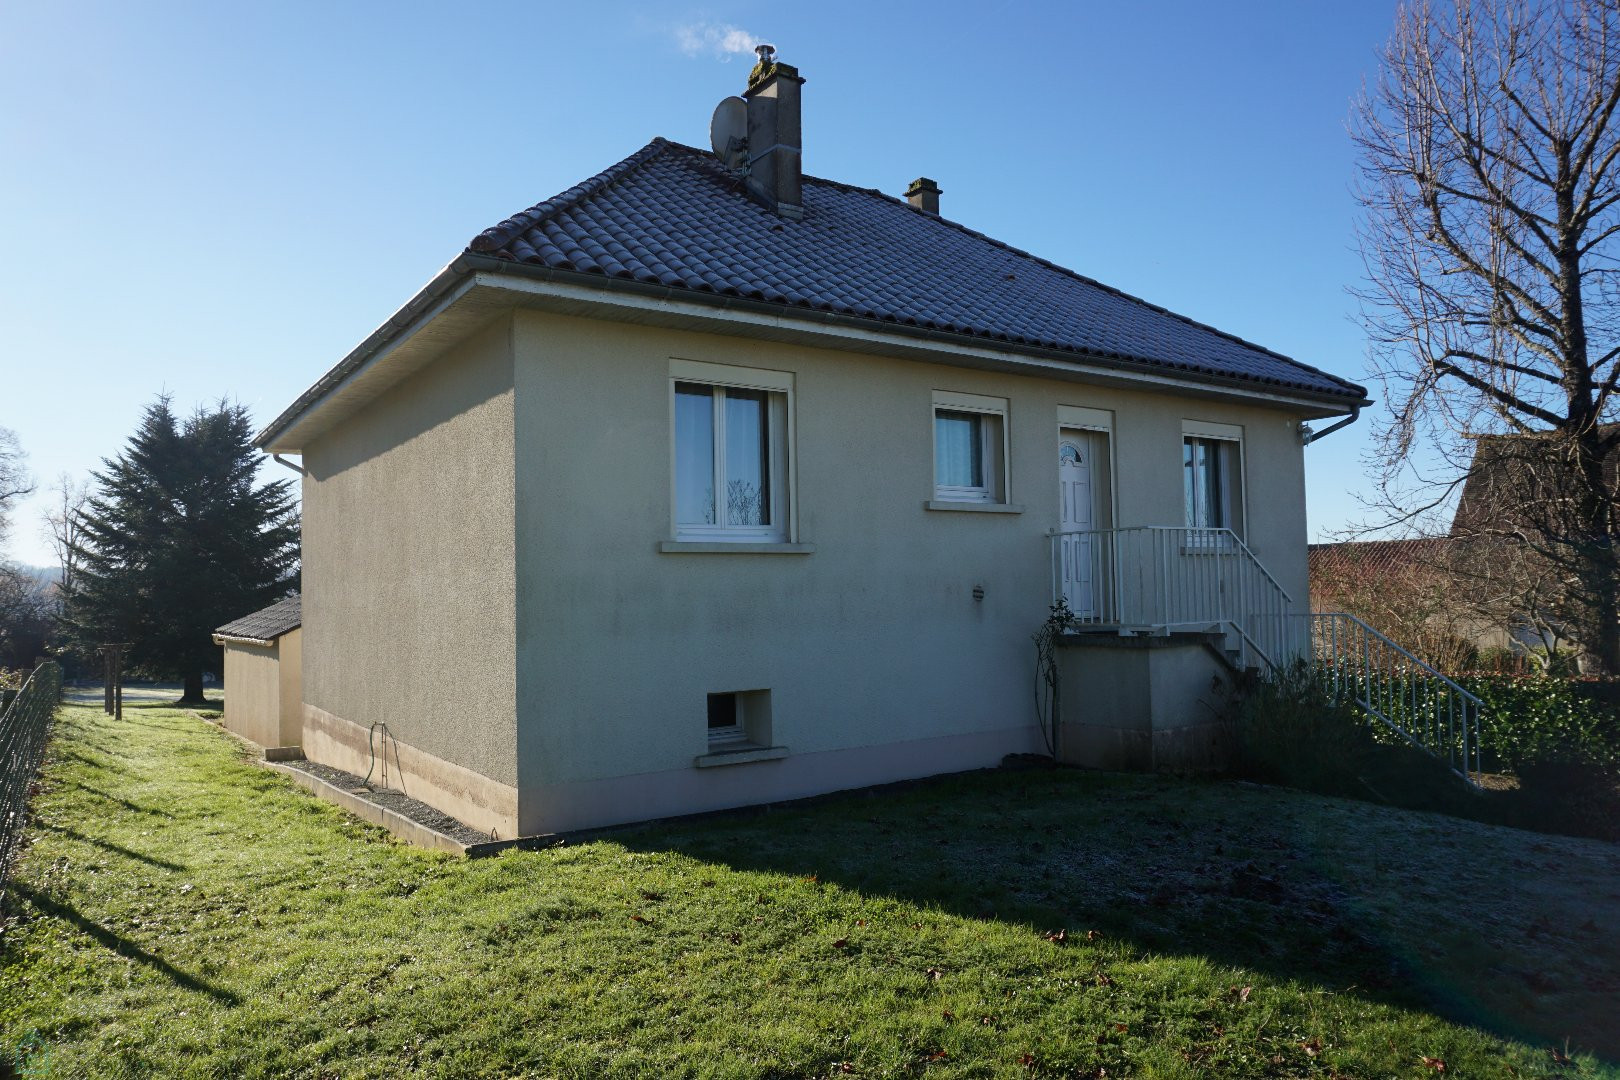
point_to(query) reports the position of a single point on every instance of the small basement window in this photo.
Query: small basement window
(740, 718)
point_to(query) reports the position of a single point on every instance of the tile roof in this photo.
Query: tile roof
(1376, 558)
(1508, 484)
(279, 618)
(670, 215)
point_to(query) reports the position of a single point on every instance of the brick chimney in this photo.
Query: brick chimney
(924, 195)
(774, 146)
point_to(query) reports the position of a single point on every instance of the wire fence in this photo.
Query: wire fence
(23, 727)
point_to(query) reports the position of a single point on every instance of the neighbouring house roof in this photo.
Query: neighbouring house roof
(1375, 558)
(672, 222)
(265, 626)
(1487, 503)
(673, 216)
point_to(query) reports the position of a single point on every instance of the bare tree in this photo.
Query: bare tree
(63, 527)
(1491, 191)
(14, 479)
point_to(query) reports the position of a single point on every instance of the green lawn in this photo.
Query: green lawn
(182, 912)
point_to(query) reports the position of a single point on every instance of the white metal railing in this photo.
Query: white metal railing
(1164, 578)
(1160, 579)
(1392, 686)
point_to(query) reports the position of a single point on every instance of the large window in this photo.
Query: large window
(731, 474)
(1212, 477)
(969, 448)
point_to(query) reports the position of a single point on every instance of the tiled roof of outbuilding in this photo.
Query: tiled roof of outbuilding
(1363, 559)
(672, 216)
(282, 617)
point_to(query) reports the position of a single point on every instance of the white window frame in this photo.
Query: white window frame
(992, 414)
(1233, 508)
(736, 734)
(778, 387)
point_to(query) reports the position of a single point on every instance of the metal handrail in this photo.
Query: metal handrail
(1396, 687)
(1162, 578)
(1229, 534)
(1159, 578)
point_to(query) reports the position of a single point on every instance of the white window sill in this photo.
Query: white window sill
(740, 754)
(973, 507)
(730, 547)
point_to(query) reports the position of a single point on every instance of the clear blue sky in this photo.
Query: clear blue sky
(220, 200)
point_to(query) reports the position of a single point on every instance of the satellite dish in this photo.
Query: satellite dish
(728, 132)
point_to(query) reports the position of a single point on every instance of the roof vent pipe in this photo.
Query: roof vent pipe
(774, 143)
(924, 195)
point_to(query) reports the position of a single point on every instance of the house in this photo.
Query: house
(1411, 591)
(1498, 582)
(708, 483)
(1545, 545)
(264, 700)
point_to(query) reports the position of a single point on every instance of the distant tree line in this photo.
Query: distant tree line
(169, 539)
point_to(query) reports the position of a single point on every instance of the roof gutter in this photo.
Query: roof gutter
(1355, 414)
(237, 639)
(460, 274)
(1114, 361)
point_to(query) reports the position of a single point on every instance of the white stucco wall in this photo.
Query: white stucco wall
(409, 575)
(253, 693)
(874, 639)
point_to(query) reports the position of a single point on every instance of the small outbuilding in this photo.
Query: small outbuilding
(264, 687)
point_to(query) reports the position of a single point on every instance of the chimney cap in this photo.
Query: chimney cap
(922, 184)
(767, 66)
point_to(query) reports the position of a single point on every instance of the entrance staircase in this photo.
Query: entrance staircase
(1157, 580)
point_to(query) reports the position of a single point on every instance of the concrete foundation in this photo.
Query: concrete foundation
(1145, 704)
(468, 796)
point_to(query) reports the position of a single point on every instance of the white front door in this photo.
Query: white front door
(1077, 547)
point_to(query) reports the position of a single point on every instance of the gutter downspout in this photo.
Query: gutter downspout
(279, 460)
(1312, 436)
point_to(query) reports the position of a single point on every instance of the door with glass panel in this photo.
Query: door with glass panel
(1079, 554)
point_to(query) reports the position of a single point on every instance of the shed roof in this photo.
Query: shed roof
(265, 626)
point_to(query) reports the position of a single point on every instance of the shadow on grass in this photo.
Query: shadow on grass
(1230, 873)
(84, 759)
(109, 846)
(125, 803)
(122, 946)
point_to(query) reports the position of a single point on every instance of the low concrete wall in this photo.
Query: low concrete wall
(1144, 704)
(467, 796)
(411, 832)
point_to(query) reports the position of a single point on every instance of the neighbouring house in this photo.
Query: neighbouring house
(264, 698)
(1523, 521)
(1485, 586)
(1411, 591)
(708, 483)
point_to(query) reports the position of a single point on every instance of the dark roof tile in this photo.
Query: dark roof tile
(279, 618)
(672, 214)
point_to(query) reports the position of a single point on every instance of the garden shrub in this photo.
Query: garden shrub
(1534, 719)
(1290, 731)
(1569, 797)
(1561, 738)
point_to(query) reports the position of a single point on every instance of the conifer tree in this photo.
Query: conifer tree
(178, 538)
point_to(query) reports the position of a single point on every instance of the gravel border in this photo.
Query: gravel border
(397, 801)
